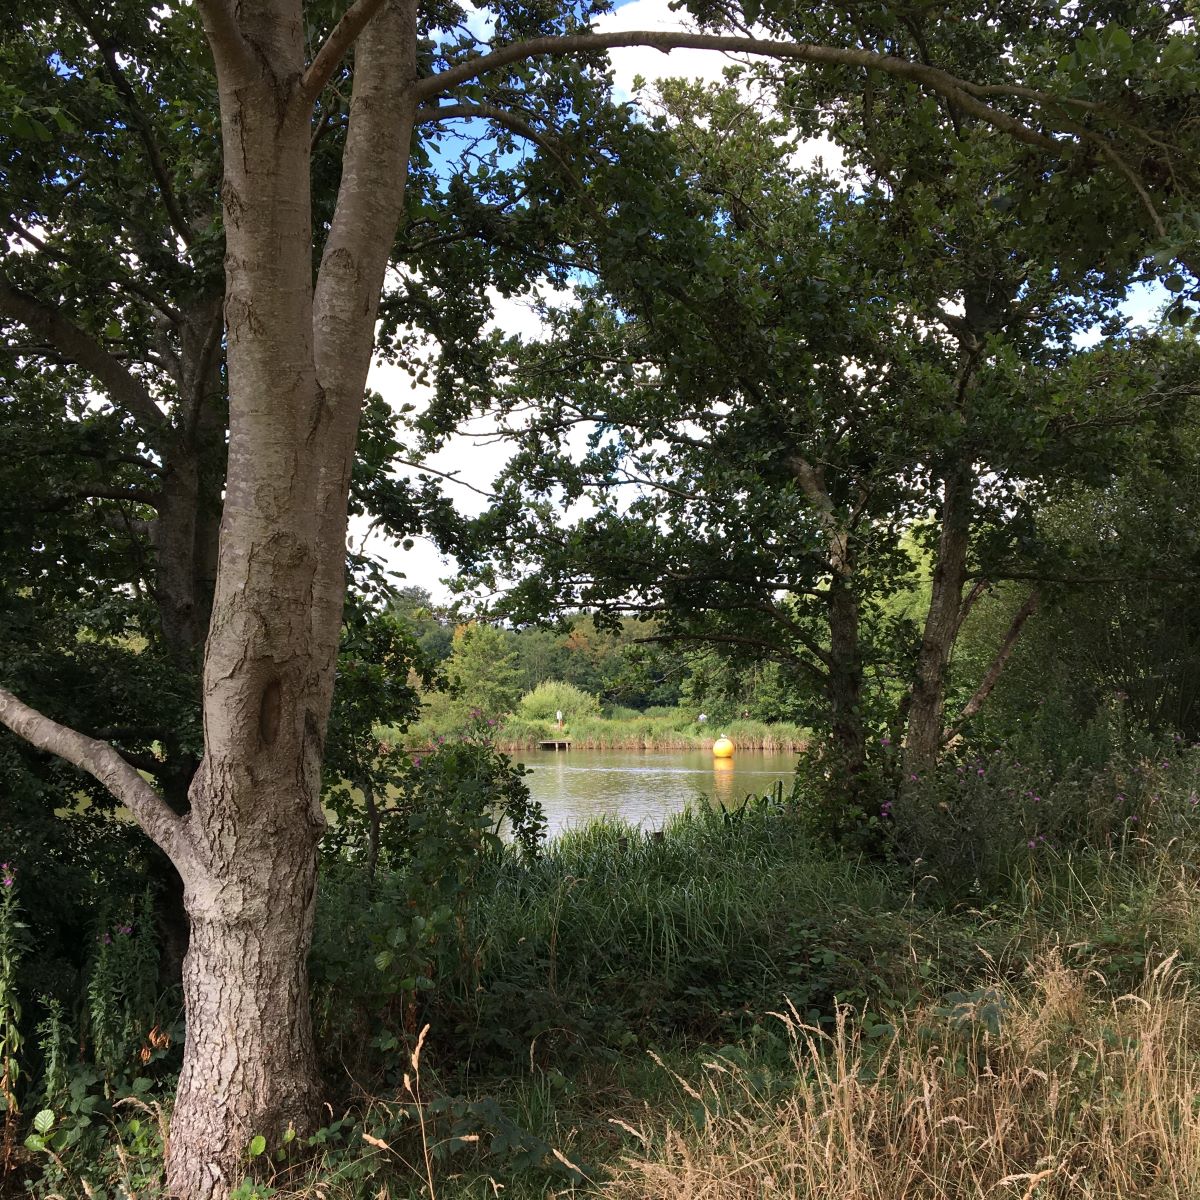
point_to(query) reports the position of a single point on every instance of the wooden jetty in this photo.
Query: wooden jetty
(555, 744)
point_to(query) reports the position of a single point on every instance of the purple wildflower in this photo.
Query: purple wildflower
(124, 930)
(8, 875)
(885, 741)
(416, 760)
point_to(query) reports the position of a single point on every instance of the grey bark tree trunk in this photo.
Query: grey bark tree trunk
(298, 360)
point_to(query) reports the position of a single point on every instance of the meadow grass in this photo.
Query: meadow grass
(757, 1019)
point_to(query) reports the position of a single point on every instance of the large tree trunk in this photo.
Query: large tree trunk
(298, 363)
(250, 1065)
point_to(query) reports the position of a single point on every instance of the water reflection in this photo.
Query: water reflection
(645, 786)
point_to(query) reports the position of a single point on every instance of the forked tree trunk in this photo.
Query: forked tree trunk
(298, 360)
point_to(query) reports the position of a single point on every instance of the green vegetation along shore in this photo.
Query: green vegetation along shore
(646, 731)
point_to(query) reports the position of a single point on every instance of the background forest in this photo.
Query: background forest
(860, 415)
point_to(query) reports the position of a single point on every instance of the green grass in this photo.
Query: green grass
(612, 1002)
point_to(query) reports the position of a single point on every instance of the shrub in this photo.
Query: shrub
(551, 697)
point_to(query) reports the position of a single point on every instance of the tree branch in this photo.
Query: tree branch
(958, 91)
(98, 759)
(124, 388)
(992, 674)
(510, 120)
(175, 214)
(230, 49)
(345, 32)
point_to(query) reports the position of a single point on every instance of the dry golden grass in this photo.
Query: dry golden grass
(1073, 1096)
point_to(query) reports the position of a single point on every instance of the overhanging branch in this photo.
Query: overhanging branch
(100, 760)
(958, 91)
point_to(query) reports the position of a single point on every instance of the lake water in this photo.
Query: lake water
(644, 786)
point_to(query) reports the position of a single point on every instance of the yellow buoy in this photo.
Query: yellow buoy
(722, 747)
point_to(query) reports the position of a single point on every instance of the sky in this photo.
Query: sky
(480, 464)
(467, 455)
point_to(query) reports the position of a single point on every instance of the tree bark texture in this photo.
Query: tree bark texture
(923, 739)
(298, 358)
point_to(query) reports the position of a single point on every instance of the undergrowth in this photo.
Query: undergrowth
(723, 1009)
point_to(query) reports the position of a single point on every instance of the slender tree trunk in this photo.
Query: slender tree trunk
(845, 683)
(844, 680)
(923, 739)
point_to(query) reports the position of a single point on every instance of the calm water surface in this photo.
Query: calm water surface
(644, 786)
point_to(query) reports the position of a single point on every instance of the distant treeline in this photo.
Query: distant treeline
(625, 669)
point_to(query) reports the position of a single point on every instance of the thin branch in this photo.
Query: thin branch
(100, 760)
(992, 674)
(129, 285)
(175, 214)
(89, 491)
(123, 388)
(450, 476)
(345, 32)
(1183, 580)
(511, 121)
(972, 597)
(955, 89)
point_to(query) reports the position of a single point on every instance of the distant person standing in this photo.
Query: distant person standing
(702, 719)
(558, 717)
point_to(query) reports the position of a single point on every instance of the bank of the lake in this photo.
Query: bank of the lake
(674, 731)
